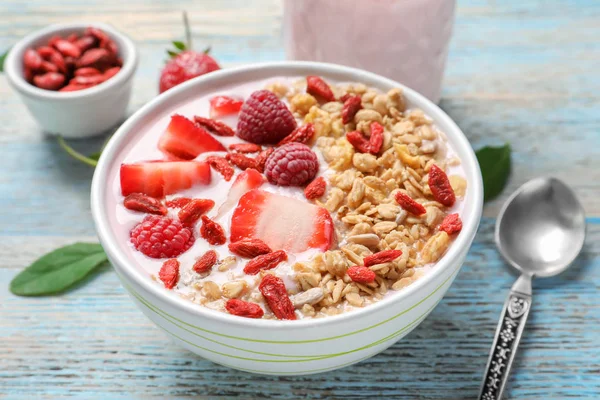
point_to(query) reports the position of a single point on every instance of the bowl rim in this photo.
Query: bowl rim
(471, 216)
(13, 65)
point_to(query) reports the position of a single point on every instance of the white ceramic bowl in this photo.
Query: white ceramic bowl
(74, 114)
(285, 347)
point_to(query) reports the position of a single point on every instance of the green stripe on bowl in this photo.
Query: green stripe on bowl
(304, 359)
(137, 295)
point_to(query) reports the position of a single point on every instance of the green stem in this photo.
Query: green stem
(75, 154)
(188, 32)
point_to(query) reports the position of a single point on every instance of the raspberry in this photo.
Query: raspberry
(292, 164)
(161, 237)
(382, 257)
(264, 119)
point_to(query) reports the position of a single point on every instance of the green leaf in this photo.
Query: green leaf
(179, 45)
(495, 169)
(58, 270)
(91, 161)
(207, 50)
(172, 53)
(2, 58)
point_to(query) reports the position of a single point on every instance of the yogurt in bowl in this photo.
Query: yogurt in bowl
(391, 259)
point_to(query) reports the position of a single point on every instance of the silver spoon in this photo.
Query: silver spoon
(540, 231)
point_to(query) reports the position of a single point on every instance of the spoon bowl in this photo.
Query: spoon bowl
(541, 229)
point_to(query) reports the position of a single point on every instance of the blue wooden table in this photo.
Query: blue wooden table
(525, 72)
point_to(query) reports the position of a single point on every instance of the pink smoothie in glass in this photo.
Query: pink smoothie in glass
(405, 40)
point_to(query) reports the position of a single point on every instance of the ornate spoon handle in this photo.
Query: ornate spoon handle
(508, 335)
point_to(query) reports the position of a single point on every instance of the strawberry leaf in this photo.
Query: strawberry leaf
(58, 270)
(207, 50)
(179, 45)
(172, 53)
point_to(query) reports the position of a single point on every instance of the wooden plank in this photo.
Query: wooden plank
(93, 342)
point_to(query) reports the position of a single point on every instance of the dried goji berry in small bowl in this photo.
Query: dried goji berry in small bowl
(42, 67)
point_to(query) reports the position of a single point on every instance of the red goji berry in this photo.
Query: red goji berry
(178, 202)
(87, 71)
(244, 309)
(85, 43)
(67, 48)
(361, 274)
(32, 60)
(409, 204)
(274, 291)
(359, 142)
(222, 166)
(249, 248)
(451, 224)
(216, 127)
(376, 139)
(245, 147)
(191, 212)
(265, 262)
(316, 86)
(49, 81)
(241, 161)
(315, 189)
(351, 106)
(169, 273)
(382, 257)
(206, 262)
(144, 203)
(440, 186)
(301, 134)
(212, 232)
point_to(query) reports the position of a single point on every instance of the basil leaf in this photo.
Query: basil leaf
(58, 270)
(2, 58)
(179, 45)
(495, 169)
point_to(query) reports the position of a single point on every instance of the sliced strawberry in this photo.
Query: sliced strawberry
(160, 178)
(224, 105)
(186, 140)
(282, 222)
(247, 180)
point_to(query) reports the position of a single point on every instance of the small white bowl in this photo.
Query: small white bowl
(271, 346)
(81, 113)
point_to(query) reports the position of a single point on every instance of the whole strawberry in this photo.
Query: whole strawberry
(185, 63)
